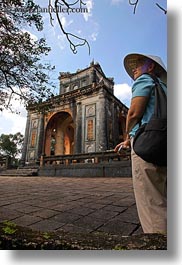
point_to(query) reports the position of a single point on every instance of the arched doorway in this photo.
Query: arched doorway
(59, 135)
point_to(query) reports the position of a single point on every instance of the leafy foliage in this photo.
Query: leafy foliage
(22, 75)
(9, 227)
(11, 144)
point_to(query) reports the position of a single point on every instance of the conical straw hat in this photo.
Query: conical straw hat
(131, 59)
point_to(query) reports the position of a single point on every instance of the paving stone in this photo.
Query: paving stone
(117, 227)
(74, 229)
(27, 209)
(102, 214)
(46, 213)
(73, 204)
(138, 231)
(129, 216)
(26, 220)
(118, 209)
(89, 223)
(66, 217)
(81, 211)
(6, 214)
(93, 205)
(125, 202)
(4, 202)
(46, 204)
(65, 207)
(33, 202)
(46, 225)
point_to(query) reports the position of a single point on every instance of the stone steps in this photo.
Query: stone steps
(20, 172)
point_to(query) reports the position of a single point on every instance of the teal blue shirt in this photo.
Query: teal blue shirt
(143, 87)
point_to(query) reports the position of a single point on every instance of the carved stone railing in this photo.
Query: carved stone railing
(95, 157)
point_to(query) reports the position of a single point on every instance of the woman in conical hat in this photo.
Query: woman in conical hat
(131, 59)
(149, 180)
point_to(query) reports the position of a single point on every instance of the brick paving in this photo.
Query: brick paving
(74, 205)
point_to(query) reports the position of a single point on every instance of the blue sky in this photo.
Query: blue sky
(112, 31)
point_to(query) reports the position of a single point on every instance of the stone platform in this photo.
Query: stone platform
(79, 205)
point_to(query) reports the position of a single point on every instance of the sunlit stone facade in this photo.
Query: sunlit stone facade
(85, 117)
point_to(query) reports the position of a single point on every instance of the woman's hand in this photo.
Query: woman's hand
(123, 145)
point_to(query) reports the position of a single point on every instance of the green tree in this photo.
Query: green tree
(11, 144)
(22, 75)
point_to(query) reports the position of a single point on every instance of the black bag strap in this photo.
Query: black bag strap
(160, 109)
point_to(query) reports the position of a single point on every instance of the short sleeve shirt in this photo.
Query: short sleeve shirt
(143, 86)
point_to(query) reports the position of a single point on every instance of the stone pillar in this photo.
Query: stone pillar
(101, 132)
(26, 139)
(40, 136)
(78, 129)
(93, 76)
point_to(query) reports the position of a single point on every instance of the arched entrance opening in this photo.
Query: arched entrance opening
(59, 136)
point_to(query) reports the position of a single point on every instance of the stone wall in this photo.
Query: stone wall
(113, 169)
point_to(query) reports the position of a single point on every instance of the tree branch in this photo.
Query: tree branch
(136, 2)
(164, 10)
(81, 41)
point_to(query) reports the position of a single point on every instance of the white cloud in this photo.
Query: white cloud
(62, 41)
(11, 122)
(89, 6)
(93, 36)
(123, 93)
(116, 2)
(65, 23)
